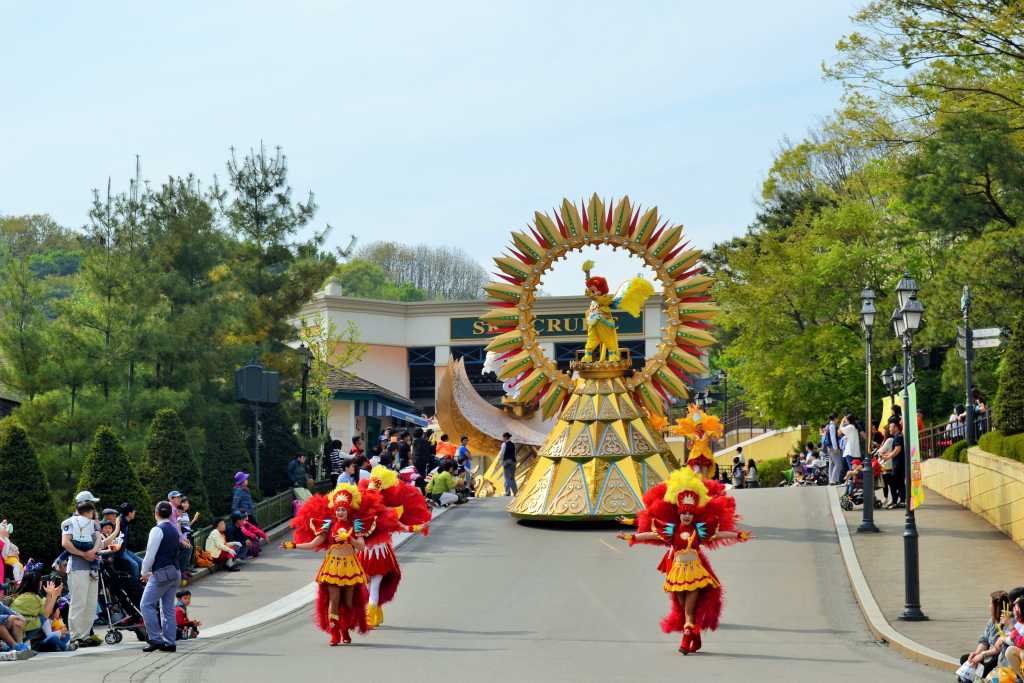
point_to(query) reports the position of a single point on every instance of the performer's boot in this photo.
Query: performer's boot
(374, 616)
(696, 640)
(686, 645)
(335, 627)
(345, 637)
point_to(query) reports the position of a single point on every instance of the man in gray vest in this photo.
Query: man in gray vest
(161, 575)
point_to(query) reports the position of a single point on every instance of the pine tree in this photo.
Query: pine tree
(224, 455)
(108, 474)
(168, 463)
(25, 496)
(1009, 405)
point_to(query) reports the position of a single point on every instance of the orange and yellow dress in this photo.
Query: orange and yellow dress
(341, 565)
(687, 571)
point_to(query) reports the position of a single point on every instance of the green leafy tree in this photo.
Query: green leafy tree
(25, 497)
(168, 462)
(223, 455)
(1009, 404)
(110, 476)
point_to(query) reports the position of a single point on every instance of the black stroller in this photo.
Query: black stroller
(120, 603)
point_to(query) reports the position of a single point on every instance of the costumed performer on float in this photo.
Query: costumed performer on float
(700, 428)
(600, 323)
(345, 521)
(379, 561)
(689, 516)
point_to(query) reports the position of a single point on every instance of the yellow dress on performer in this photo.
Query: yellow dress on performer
(600, 321)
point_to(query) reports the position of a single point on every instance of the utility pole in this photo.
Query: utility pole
(965, 308)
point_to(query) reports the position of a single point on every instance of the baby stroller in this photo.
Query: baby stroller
(855, 497)
(120, 610)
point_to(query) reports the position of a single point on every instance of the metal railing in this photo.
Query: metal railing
(937, 438)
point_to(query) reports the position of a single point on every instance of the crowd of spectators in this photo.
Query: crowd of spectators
(1001, 642)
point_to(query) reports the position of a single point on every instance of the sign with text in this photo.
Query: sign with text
(559, 325)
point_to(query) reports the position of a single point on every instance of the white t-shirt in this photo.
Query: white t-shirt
(739, 454)
(852, 445)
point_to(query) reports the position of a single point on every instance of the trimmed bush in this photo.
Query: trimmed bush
(168, 462)
(991, 442)
(224, 455)
(769, 472)
(956, 452)
(999, 444)
(25, 497)
(1008, 414)
(109, 475)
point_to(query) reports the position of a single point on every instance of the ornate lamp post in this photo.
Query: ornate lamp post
(906, 320)
(867, 318)
(307, 365)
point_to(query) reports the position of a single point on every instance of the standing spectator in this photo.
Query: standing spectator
(299, 477)
(896, 456)
(80, 537)
(241, 499)
(445, 449)
(464, 459)
(404, 450)
(851, 447)
(422, 456)
(835, 456)
(335, 459)
(357, 446)
(737, 473)
(751, 477)
(508, 464)
(739, 454)
(174, 498)
(161, 575)
(185, 522)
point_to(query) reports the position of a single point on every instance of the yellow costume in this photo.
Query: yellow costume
(341, 565)
(700, 428)
(600, 322)
(688, 572)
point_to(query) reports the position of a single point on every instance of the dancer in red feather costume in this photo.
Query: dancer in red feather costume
(689, 516)
(379, 561)
(343, 523)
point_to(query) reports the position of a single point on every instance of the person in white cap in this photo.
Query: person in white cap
(81, 538)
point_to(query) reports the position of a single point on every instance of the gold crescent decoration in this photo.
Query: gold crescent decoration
(685, 302)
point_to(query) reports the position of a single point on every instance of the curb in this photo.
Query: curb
(281, 607)
(876, 621)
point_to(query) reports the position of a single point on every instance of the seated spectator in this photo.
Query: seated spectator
(11, 568)
(254, 535)
(37, 602)
(235, 535)
(188, 628)
(1013, 641)
(444, 489)
(989, 650)
(12, 631)
(221, 552)
(737, 473)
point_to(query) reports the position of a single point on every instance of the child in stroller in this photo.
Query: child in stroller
(119, 597)
(855, 485)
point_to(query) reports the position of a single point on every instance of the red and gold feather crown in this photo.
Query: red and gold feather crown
(344, 495)
(686, 490)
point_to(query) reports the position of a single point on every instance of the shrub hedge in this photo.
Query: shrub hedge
(999, 444)
(25, 497)
(956, 452)
(108, 474)
(769, 472)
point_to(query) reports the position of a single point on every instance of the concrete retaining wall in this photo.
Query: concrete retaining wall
(988, 485)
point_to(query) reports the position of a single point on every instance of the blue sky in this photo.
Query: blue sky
(444, 122)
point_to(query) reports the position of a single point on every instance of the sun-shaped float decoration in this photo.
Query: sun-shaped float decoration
(603, 452)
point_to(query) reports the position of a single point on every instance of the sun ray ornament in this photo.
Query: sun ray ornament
(605, 450)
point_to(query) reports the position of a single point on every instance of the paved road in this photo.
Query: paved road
(487, 599)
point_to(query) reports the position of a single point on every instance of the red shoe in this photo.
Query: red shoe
(336, 632)
(696, 640)
(345, 637)
(686, 645)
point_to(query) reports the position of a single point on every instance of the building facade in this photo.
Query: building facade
(409, 344)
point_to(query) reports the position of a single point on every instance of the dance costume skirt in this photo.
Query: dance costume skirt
(340, 569)
(379, 560)
(688, 573)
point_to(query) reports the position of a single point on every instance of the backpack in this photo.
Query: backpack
(203, 559)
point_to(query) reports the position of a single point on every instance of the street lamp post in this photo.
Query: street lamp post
(867, 318)
(307, 365)
(906, 320)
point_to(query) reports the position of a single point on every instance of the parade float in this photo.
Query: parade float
(605, 449)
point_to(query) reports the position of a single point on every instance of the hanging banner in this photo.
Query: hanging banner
(912, 437)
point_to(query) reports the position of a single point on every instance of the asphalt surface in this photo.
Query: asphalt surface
(485, 598)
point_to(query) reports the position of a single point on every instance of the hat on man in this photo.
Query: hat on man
(240, 477)
(86, 497)
(174, 494)
(109, 511)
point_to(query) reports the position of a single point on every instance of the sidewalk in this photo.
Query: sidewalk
(962, 560)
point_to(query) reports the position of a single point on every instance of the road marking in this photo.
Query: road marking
(609, 545)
